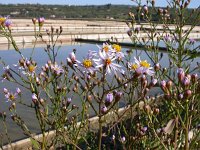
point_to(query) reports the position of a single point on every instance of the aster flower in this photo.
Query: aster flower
(191, 41)
(135, 67)
(106, 47)
(58, 70)
(11, 96)
(88, 64)
(117, 50)
(106, 60)
(7, 22)
(144, 66)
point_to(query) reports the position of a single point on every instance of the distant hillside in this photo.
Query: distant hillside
(64, 11)
(77, 12)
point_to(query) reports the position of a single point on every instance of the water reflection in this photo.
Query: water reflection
(10, 57)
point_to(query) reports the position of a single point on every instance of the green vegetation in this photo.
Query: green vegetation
(65, 11)
(107, 11)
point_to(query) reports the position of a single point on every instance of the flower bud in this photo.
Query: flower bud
(41, 21)
(69, 100)
(180, 96)
(74, 107)
(156, 110)
(181, 74)
(123, 139)
(34, 98)
(34, 20)
(194, 77)
(187, 94)
(186, 81)
(169, 84)
(37, 81)
(163, 85)
(144, 129)
(153, 83)
(157, 67)
(130, 32)
(14, 117)
(118, 96)
(5, 91)
(104, 110)
(147, 108)
(89, 98)
(18, 91)
(13, 105)
(72, 56)
(42, 101)
(145, 8)
(109, 99)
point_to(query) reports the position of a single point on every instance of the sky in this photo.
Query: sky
(194, 3)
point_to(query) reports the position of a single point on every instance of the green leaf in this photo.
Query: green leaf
(35, 144)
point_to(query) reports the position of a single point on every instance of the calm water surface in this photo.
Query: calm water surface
(11, 57)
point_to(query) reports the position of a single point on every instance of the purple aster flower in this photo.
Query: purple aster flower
(191, 41)
(88, 64)
(106, 60)
(8, 23)
(58, 70)
(141, 67)
(11, 96)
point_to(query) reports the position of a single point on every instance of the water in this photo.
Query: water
(11, 57)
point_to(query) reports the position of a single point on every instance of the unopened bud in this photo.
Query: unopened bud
(145, 8)
(5, 91)
(194, 77)
(34, 20)
(109, 99)
(169, 84)
(118, 96)
(187, 94)
(156, 110)
(104, 110)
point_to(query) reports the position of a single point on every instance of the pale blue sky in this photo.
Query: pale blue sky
(194, 3)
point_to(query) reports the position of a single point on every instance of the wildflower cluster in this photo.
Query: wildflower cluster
(160, 104)
(5, 22)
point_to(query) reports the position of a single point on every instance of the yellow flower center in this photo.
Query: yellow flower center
(2, 20)
(108, 61)
(117, 47)
(31, 68)
(87, 63)
(134, 66)
(144, 64)
(11, 97)
(106, 48)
